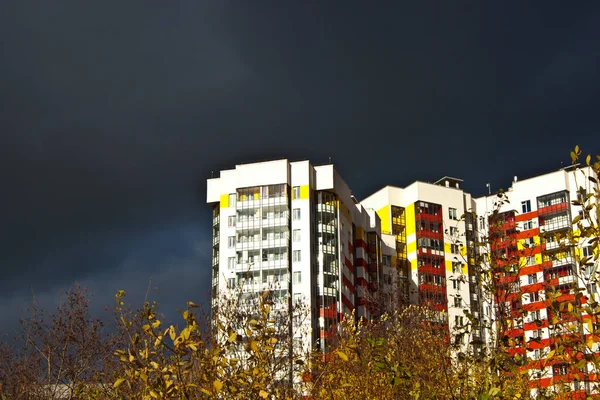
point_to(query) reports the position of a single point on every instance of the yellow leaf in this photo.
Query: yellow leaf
(218, 384)
(205, 391)
(263, 394)
(549, 356)
(254, 345)
(191, 304)
(156, 324)
(232, 337)
(172, 332)
(154, 394)
(343, 356)
(118, 382)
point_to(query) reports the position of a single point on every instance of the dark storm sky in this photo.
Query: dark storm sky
(113, 114)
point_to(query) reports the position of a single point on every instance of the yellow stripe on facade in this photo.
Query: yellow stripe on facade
(538, 258)
(411, 247)
(385, 216)
(413, 264)
(224, 201)
(447, 248)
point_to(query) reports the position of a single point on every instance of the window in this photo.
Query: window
(231, 242)
(456, 267)
(481, 223)
(297, 277)
(586, 251)
(295, 192)
(296, 235)
(452, 214)
(456, 301)
(534, 296)
(532, 278)
(231, 262)
(528, 225)
(232, 200)
(231, 283)
(536, 354)
(297, 298)
(528, 242)
(526, 206)
(456, 284)
(453, 231)
(297, 257)
(530, 260)
(454, 248)
(296, 214)
(231, 221)
(537, 333)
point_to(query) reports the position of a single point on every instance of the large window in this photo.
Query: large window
(296, 192)
(297, 256)
(526, 206)
(296, 235)
(231, 242)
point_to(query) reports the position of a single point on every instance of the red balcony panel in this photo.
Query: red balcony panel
(430, 235)
(430, 269)
(553, 208)
(360, 281)
(361, 262)
(429, 217)
(538, 305)
(534, 287)
(358, 243)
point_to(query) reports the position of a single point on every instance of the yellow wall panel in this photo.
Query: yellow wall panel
(411, 226)
(385, 216)
(224, 201)
(538, 258)
(304, 192)
(448, 265)
(465, 269)
(447, 248)
(359, 232)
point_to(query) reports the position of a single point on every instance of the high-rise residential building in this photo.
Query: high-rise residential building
(430, 227)
(295, 230)
(528, 263)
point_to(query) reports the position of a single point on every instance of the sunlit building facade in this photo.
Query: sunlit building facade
(295, 230)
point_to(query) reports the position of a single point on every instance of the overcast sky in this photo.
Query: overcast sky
(114, 113)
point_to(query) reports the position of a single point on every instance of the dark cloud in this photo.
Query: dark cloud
(113, 114)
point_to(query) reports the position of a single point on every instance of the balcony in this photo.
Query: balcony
(281, 221)
(327, 228)
(327, 248)
(326, 208)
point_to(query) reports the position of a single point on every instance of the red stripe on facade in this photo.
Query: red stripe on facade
(348, 284)
(349, 265)
(347, 302)
(526, 216)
